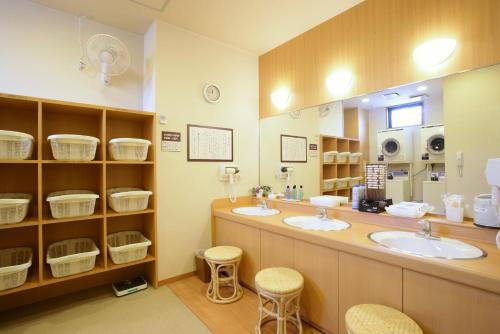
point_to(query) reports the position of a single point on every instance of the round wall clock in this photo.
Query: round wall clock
(211, 93)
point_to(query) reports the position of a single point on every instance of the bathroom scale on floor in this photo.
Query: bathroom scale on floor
(129, 286)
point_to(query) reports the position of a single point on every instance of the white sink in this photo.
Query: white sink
(255, 211)
(316, 223)
(413, 244)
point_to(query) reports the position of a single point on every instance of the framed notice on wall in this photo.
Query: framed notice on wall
(207, 143)
(293, 148)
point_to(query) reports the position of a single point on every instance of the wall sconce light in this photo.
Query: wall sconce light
(434, 52)
(339, 82)
(281, 98)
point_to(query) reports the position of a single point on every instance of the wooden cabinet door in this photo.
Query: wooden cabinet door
(319, 300)
(228, 233)
(444, 307)
(275, 250)
(362, 281)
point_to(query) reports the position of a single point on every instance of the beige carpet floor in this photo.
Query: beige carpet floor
(99, 311)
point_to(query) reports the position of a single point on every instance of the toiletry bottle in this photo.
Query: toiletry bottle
(294, 192)
(287, 192)
(301, 193)
(355, 197)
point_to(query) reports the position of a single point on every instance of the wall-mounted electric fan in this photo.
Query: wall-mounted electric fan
(108, 55)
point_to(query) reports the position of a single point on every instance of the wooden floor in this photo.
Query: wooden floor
(239, 317)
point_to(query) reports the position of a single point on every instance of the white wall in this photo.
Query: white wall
(39, 55)
(472, 118)
(433, 114)
(183, 63)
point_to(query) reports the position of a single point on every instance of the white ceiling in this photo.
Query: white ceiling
(253, 25)
(377, 100)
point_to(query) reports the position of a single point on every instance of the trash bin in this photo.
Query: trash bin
(202, 267)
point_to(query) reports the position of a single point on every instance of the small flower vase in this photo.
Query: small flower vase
(259, 194)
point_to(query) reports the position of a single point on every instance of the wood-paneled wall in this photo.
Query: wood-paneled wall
(375, 40)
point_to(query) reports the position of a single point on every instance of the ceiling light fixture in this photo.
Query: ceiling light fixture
(434, 52)
(365, 100)
(339, 82)
(422, 88)
(281, 98)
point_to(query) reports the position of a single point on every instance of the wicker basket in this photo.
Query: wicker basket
(127, 246)
(15, 145)
(71, 257)
(14, 265)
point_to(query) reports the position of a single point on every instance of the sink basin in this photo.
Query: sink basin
(255, 211)
(316, 223)
(413, 244)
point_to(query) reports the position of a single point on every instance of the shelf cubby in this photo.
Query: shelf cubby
(354, 145)
(70, 119)
(17, 114)
(131, 176)
(143, 223)
(21, 178)
(90, 228)
(342, 145)
(59, 177)
(343, 171)
(23, 236)
(330, 172)
(129, 125)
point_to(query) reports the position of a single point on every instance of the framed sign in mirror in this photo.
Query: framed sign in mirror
(207, 143)
(293, 148)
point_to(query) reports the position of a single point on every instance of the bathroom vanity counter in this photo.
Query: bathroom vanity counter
(344, 268)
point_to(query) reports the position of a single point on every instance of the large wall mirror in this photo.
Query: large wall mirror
(435, 137)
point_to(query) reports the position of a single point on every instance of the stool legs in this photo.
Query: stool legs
(282, 308)
(218, 281)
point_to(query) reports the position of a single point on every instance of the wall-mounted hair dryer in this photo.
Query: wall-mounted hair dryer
(230, 174)
(284, 171)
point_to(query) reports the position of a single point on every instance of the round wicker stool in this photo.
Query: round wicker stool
(224, 262)
(379, 319)
(279, 297)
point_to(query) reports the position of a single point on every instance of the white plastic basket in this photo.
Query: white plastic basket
(355, 158)
(342, 182)
(13, 207)
(128, 199)
(73, 147)
(353, 181)
(329, 157)
(342, 157)
(15, 145)
(127, 246)
(329, 184)
(72, 203)
(73, 256)
(129, 149)
(14, 264)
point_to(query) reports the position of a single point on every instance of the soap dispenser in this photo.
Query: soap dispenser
(301, 193)
(287, 192)
(294, 192)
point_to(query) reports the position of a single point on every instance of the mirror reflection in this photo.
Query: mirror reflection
(434, 139)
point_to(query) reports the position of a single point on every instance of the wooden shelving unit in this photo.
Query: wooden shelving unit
(339, 170)
(42, 175)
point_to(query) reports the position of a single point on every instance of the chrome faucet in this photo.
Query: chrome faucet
(426, 231)
(322, 213)
(263, 204)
